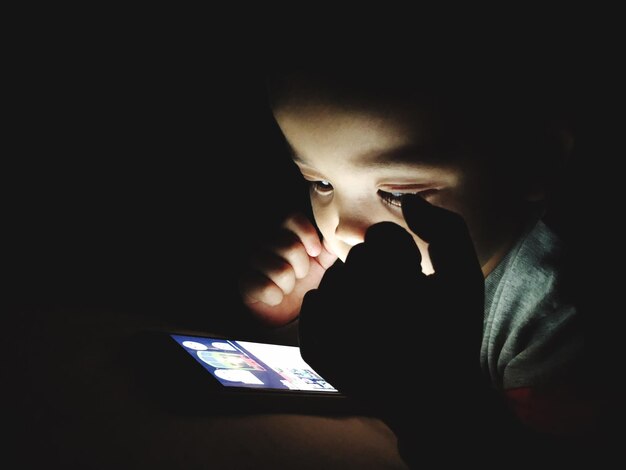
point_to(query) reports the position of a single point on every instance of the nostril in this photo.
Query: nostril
(350, 240)
(351, 229)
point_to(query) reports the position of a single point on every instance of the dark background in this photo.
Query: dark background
(143, 169)
(141, 179)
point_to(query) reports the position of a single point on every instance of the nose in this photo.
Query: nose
(351, 229)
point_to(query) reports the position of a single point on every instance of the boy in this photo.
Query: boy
(465, 171)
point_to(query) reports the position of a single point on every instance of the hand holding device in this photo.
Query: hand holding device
(422, 328)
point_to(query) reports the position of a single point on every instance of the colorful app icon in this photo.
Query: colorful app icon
(227, 360)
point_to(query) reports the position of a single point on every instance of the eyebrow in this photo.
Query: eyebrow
(413, 155)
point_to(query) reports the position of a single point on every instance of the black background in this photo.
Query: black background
(142, 174)
(143, 167)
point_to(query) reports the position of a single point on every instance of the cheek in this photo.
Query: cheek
(324, 218)
(468, 203)
(326, 221)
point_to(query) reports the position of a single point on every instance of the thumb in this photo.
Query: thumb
(387, 248)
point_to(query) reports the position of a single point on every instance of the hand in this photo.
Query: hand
(376, 320)
(283, 272)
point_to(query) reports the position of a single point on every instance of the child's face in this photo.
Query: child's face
(359, 162)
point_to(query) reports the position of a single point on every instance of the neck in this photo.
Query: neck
(512, 233)
(496, 257)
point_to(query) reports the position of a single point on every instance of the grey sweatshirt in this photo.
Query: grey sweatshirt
(532, 334)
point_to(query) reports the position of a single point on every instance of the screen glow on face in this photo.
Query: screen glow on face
(254, 365)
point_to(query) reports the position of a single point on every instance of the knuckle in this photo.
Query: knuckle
(254, 283)
(299, 223)
(292, 251)
(282, 274)
(299, 220)
(287, 241)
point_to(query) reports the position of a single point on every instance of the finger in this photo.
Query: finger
(326, 258)
(449, 244)
(393, 248)
(306, 232)
(333, 277)
(255, 287)
(289, 247)
(275, 269)
(313, 336)
(388, 252)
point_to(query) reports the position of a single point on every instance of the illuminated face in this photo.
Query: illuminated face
(360, 162)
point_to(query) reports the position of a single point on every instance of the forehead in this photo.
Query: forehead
(357, 135)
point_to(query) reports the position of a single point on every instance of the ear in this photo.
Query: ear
(558, 159)
(535, 194)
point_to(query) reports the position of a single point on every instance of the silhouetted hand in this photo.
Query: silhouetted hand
(376, 324)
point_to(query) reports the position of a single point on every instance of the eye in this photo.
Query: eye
(393, 199)
(321, 186)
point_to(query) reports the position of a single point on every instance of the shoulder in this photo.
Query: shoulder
(531, 325)
(530, 283)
